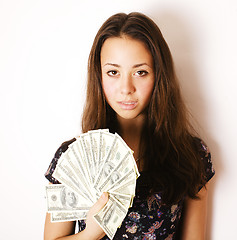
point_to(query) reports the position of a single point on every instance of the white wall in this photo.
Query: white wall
(44, 47)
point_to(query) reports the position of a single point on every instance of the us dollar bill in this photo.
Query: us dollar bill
(111, 216)
(127, 188)
(106, 143)
(62, 199)
(120, 170)
(96, 143)
(132, 157)
(125, 200)
(68, 216)
(77, 155)
(83, 159)
(86, 146)
(117, 152)
(129, 176)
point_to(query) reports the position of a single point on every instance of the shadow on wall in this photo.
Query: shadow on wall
(180, 36)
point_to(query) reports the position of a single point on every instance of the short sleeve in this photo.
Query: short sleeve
(54, 161)
(205, 155)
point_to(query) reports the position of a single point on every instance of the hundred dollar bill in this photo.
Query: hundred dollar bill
(135, 167)
(129, 176)
(126, 188)
(62, 199)
(120, 170)
(94, 153)
(117, 152)
(77, 155)
(125, 146)
(96, 139)
(133, 160)
(86, 146)
(125, 200)
(83, 159)
(111, 216)
(68, 216)
(106, 142)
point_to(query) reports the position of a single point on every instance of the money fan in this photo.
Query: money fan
(98, 161)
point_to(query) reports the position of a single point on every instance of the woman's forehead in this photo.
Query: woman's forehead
(119, 51)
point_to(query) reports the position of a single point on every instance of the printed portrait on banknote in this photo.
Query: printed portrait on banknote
(68, 198)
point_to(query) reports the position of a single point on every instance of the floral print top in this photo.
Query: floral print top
(147, 218)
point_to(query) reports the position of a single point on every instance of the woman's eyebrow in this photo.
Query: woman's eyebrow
(112, 64)
(141, 64)
(134, 66)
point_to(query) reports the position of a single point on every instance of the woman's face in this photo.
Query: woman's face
(127, 76)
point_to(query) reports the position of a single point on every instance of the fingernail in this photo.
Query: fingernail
(103, 195)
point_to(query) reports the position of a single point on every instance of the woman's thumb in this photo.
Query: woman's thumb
(103, 199)
(101, 202)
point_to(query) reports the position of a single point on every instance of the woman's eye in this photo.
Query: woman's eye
(141, 73)
(112, 73)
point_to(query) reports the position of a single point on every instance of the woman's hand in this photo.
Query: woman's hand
(93, 230)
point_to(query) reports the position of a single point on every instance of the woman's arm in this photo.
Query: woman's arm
(194, 218)
(66, 230)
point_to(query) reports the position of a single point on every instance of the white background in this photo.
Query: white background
(44, 46)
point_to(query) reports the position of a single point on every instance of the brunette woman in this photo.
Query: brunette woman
(133, 90)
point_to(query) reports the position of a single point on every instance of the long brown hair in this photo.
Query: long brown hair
(169, 149)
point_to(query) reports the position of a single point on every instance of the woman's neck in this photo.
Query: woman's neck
(131, 126)
(130, 131)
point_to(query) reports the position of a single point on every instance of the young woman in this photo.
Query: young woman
(132, 90)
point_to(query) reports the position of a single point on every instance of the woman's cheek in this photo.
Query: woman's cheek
(108, 90)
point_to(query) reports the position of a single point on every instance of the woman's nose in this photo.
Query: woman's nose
(126, 85)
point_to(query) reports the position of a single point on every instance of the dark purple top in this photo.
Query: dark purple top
(147, 218)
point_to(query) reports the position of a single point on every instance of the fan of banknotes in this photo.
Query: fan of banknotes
(98, 161)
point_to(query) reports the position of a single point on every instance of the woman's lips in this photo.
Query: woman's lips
(127, 105)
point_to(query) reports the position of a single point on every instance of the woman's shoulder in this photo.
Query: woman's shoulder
(64, 146)
(205, 157)
(203, 149)
(202, 146)
(57, 155)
